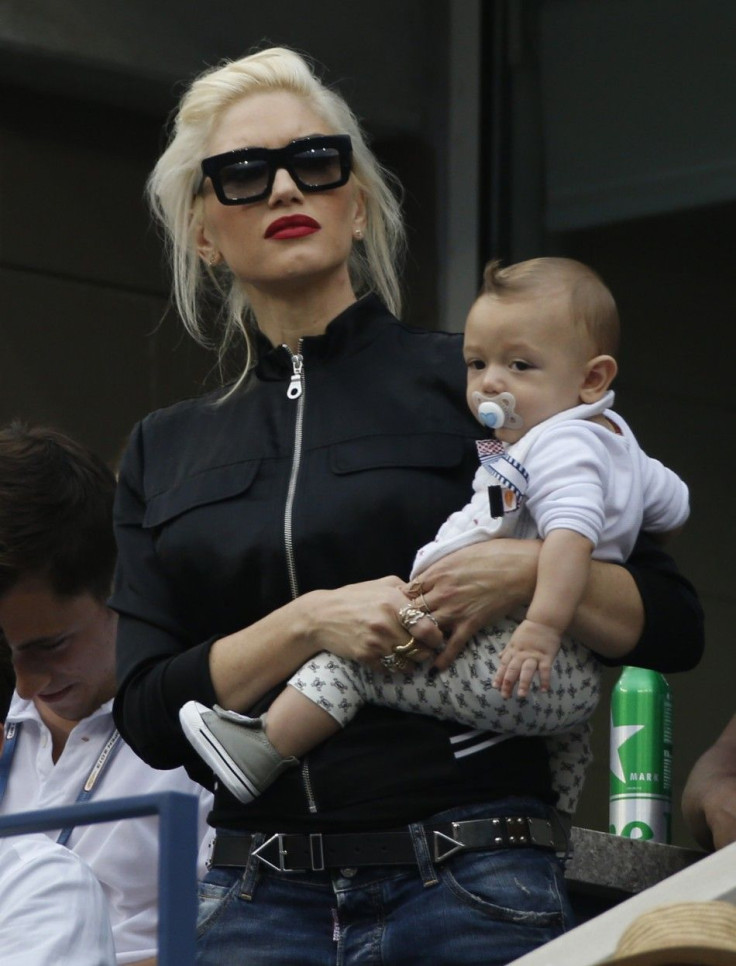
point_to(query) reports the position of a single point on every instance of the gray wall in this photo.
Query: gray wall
(139, 50)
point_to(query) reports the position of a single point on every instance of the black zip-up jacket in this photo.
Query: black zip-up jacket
(224, 512)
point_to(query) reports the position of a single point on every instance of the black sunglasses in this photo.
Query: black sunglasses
(246, 175)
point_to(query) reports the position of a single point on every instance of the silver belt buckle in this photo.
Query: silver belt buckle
(277, 837)
(316, 854)
(439, 840)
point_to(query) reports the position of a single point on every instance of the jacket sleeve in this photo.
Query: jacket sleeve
(674, 634)
(158, 666)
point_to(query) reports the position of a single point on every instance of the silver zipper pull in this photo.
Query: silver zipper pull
(295, 388)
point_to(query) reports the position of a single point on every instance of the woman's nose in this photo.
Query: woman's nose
(284, 188)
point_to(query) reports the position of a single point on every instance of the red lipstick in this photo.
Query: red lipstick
(292, 226)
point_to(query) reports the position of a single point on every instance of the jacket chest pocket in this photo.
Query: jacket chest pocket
(209, 488)
(207, 532)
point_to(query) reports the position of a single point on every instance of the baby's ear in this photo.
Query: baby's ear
(599, 374)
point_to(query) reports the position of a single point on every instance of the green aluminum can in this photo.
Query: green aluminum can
(640, 805)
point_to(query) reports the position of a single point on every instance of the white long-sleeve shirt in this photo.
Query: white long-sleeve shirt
(582, 477)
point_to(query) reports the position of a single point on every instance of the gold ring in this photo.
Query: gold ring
(409, 615)
(425, 605)
(405, 648)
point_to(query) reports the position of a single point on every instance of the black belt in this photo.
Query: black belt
(297, 852)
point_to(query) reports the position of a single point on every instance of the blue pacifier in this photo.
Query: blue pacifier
(497, 411)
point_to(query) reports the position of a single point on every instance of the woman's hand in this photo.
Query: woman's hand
(362, 622)
(359, 622)
(470, 588)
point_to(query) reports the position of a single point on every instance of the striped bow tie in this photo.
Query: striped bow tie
(508, 473)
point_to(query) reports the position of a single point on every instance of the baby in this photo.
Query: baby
(561, 466)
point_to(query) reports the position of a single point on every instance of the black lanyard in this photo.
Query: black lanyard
(109, 750)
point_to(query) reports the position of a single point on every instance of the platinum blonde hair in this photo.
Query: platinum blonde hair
(172, 191)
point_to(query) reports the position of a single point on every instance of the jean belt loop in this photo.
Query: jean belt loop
(253, 869)
(425, 864)
(563, 821)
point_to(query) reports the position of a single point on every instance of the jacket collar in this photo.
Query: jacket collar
(349, 332)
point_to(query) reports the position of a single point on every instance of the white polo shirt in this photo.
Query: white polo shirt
(53, 910)
(124, 854)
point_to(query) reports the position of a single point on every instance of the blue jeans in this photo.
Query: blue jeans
(477, 908)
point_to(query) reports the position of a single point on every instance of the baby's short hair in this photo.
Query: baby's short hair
(592, 306)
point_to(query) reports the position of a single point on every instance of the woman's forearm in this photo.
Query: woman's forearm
(359, 622)
(610, 616)
(472, 587)
(247, 664)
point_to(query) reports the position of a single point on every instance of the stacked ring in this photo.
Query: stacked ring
(409, 615)
(402, 654)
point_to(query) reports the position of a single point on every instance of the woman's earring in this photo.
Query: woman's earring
(213, 259)
(358, 234)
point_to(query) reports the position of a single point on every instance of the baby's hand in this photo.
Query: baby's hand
(531, 650)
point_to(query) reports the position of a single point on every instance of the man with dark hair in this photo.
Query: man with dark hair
(57, 556)
(55, 513)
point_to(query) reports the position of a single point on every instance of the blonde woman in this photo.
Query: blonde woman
(278, 518)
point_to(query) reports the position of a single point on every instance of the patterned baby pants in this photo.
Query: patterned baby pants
(463, 693)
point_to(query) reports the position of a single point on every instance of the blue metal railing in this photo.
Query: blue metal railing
(177, 857)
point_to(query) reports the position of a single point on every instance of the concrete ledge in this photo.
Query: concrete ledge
(713, 876)
(615, 868)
